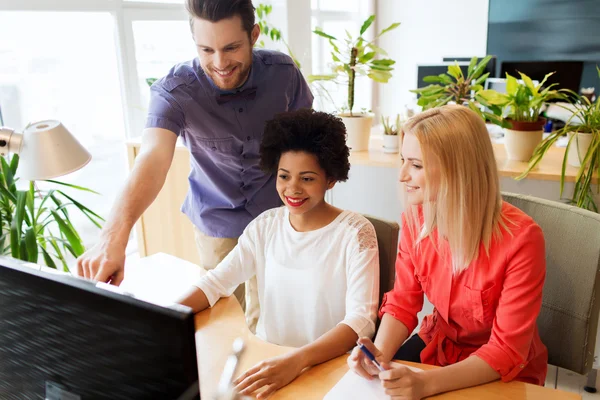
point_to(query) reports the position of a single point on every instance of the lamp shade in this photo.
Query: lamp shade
(49, 150)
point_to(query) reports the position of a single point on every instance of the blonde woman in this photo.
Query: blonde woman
(479, 260)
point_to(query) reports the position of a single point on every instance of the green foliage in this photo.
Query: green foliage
(585, 119)
(35, 223)
(356, 56)
(390, 129)
(522, 101)
(454, 86)
(262, 12)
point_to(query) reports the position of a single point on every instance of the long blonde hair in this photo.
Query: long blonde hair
(462, 194)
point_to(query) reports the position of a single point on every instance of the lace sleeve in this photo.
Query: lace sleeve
(365, 232)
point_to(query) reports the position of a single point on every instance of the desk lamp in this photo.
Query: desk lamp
(46, 150)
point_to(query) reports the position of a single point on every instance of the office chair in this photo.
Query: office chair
(569, 317)
(387, 241)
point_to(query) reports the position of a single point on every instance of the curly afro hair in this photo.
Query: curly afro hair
(313, 132)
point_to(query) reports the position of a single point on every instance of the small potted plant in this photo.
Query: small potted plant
(521, 106)
(583, 150)
(352, 57)
(390, 134)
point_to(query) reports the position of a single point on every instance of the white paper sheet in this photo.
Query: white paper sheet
(352, 386)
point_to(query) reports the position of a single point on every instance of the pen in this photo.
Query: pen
(370, 356)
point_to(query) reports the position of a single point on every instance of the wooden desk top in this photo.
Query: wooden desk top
(217, 328)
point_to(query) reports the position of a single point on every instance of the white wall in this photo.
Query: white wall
(429, 31)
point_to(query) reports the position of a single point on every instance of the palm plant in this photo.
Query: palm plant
(35, 222)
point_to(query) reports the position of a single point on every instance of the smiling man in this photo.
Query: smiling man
(217, 104)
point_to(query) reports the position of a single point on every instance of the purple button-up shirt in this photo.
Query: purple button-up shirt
(227, 188)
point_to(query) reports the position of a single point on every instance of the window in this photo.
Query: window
(85, 63)
(48, 72)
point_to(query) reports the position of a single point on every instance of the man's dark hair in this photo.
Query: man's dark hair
(313, 132)
(216, 10)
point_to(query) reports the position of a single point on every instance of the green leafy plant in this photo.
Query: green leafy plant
(522, 102)
(585, 120)
(390, 129)
(356, 56)
(262, 12)
(35, 222)
(454, 86)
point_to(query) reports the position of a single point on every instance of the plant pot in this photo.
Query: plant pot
(521, 140)
(390, 143)
(579, 147)
(358, 128)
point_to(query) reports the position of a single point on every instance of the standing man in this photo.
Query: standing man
(218, 104)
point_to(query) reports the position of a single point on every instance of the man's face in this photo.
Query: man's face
(225, 50)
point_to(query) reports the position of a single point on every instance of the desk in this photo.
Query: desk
(163, 278)
(217, 328)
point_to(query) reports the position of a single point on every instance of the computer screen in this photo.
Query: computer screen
(62, 337)
(567, 73)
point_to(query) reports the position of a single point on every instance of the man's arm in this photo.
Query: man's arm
(105, 261)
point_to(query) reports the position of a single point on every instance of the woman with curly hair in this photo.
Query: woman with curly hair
(317, 266)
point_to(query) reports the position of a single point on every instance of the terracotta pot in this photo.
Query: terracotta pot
(521, 140)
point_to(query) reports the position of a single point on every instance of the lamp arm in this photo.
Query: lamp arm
(10, 141)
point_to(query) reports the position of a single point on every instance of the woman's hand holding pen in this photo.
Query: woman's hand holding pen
(273, 374)
(360, 363)
(401, 383)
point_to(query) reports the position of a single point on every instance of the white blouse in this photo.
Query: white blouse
(308, 282)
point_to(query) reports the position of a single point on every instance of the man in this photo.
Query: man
(218, 104)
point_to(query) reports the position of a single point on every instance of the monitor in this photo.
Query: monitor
(568, 73)
(490, 66)
(61, 337)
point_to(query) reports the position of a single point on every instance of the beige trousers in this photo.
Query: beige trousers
(212, 251)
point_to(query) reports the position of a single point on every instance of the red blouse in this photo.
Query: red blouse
(488, 310)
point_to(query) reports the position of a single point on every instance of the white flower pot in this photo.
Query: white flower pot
(358, 128)
(579, 147)
(521, 141)
(390, 143)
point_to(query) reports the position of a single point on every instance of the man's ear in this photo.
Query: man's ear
(254, 34)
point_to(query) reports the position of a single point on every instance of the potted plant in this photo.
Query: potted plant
(521, 106)
(583, 150)
(390, 134)
(36, 223)
(453, 86)
(352, 57)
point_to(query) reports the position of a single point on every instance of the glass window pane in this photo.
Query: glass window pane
(62, 65)
(159, 45)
